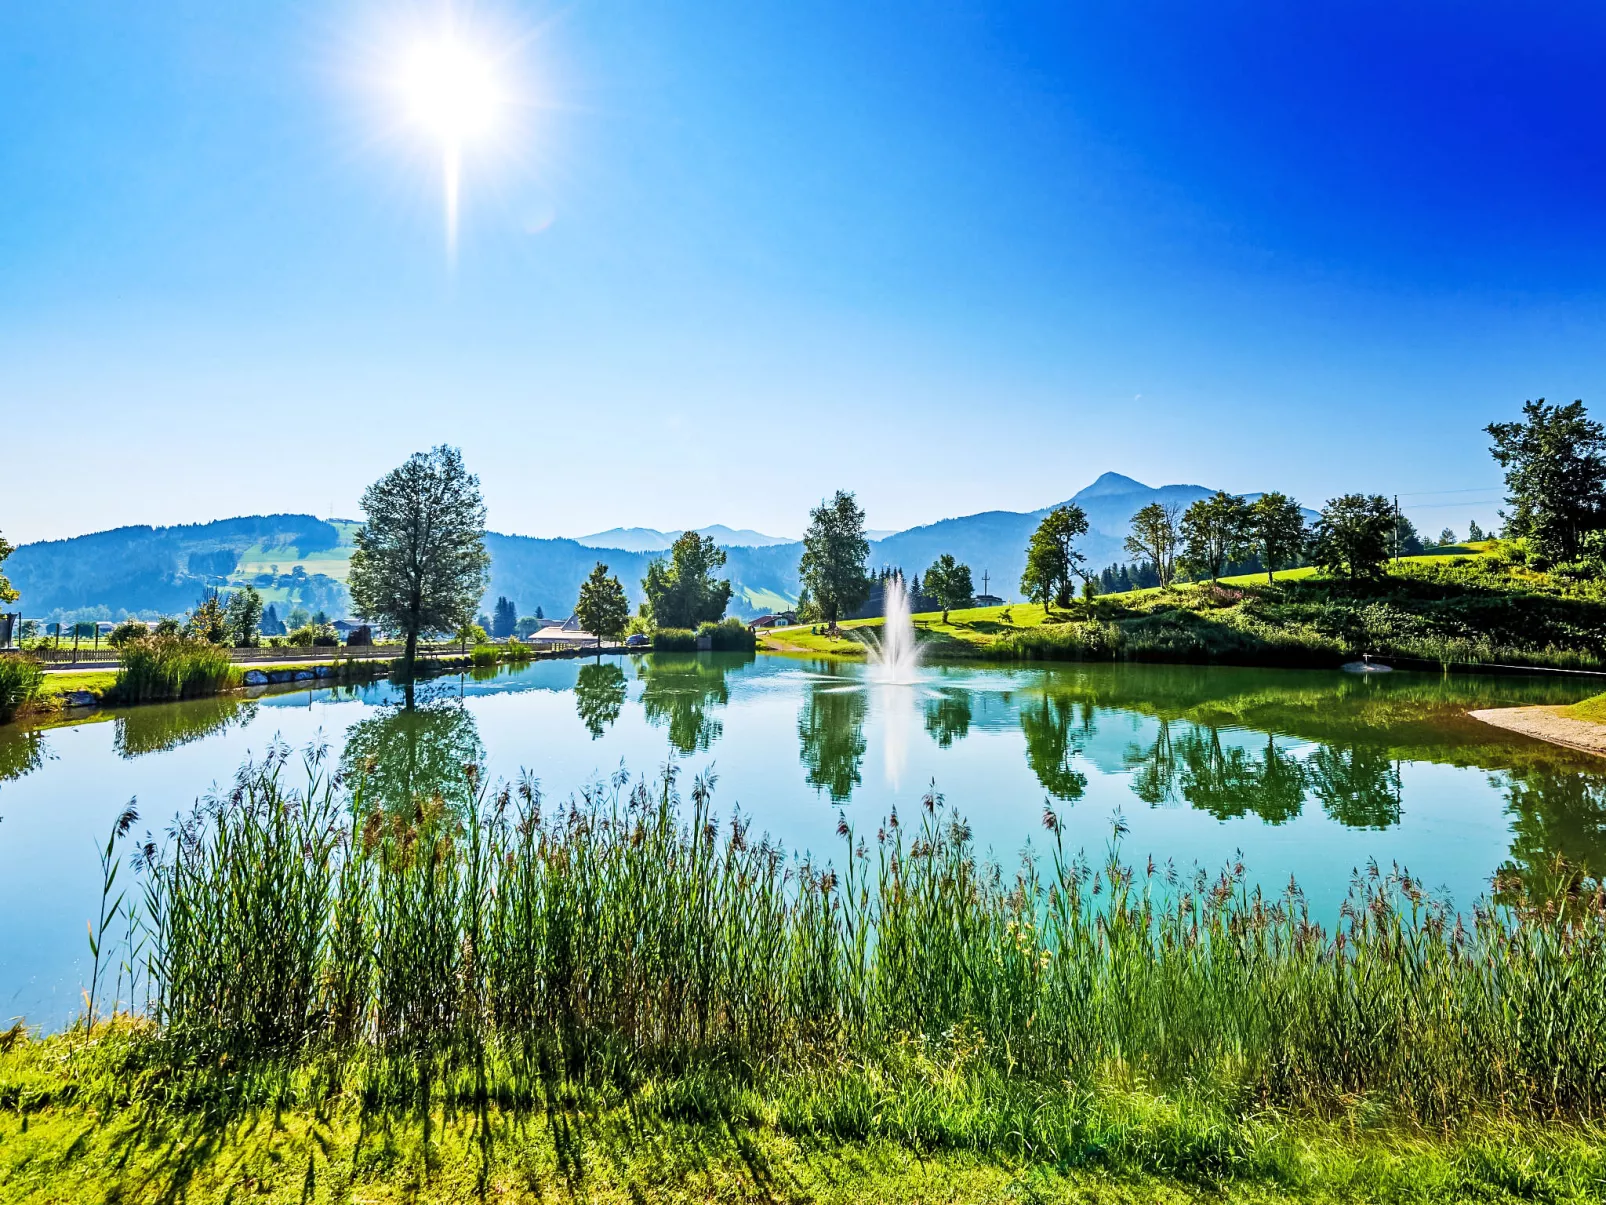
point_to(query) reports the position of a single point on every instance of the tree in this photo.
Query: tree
(540, 614)
(272, 625)
(1277, 527)
(1446, 538)
(681, 592)
(1155, 537)
(504, 619)
(244, 617)
(1474, 532)
(420, 564)
(1355, 536)
(1215, 530)
(1406, 540)
(949, 583)
(209, 621)
(8, 592)
(299, 617)
(1051, 556)
(602, 609)
(1555, 463)
(834, 552)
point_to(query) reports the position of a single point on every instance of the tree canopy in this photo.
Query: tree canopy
(1215, 530)
(1155, 537)
(1555, 463)
(602, 608)
(834, 552)
(504, 618)
(682, 592)
(8, 593)
(1355, 536)
(949, 583)
(420, 565)
(1276, 526)
(1052, 557)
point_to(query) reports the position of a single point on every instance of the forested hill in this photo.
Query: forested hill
(300, 560)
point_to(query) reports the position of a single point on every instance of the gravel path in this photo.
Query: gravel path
(1547, 724)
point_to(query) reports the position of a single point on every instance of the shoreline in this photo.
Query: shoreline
(1547, 724)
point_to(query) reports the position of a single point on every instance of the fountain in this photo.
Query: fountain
(895, 656)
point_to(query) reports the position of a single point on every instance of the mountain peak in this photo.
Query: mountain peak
(1112, 483)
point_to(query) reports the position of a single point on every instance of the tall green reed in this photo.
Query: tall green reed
(626, 933)
(171, 667)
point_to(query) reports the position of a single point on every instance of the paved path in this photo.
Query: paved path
(1547, 724)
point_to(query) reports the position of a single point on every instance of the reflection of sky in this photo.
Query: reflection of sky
(1453, 831)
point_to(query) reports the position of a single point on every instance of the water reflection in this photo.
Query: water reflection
(142, 730)
(948, 716)
(679, 692)
(408, 754)
(599, 696)
(1055, 727)
(830, 729)
(1558, 822)
(1359, 785)
(22, 751)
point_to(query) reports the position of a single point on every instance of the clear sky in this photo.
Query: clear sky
(716, 261)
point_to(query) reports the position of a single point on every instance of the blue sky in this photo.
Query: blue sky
(721, 260)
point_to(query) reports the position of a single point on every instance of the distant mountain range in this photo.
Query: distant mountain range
(300, 560)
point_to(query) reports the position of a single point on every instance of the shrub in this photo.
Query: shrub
(20, 679)
(313, 634)
(171, 667)
(129, 629)
(729, 636)
(485, 654)
(674, 640)
(517, 650)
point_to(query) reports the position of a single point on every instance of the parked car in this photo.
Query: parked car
(636, 641)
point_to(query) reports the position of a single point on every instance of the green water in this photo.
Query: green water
(1298, 773)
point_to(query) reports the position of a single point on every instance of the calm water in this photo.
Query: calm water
(1309, 774)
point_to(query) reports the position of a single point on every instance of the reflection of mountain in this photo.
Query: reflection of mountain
(163, 726)
(1054, 731)
(830, 729)
(948, 716)
(680, 689)
(599, 695)
(403, 757)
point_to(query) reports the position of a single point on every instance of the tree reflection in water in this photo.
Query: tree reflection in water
(1558, 838)
(830, 729)
(1228, 781)
(679, 690)
(599, 696)
(948, 717)
(1055, 729)
(404, 756)
(22, 751)
(156, 729)
(1358, 785)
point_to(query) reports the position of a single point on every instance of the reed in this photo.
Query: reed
(626, 934)
(20, 680)
(164, 666)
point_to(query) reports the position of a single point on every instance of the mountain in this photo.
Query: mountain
(648, 539)
(299, 560)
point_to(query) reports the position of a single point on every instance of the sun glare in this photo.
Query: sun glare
(451, 93)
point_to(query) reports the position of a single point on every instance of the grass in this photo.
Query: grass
(1591, 709)
(157, 668)
(1448, 610)
(20, 683)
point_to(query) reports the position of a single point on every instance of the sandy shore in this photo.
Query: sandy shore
(1547, 724)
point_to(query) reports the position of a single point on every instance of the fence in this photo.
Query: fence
(89, 656)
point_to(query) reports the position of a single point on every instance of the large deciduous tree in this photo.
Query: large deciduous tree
(243, 615)
(834, 552)
(1155, 538)
(1355, 536)
(8, 593)
(1277, 529)
(1052, 557)
(602, 608)
(949, 583)
(1555, 463)
(682, 591)
(1215, 530)
(420, 564)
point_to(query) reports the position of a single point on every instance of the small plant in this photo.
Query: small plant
(20, 679)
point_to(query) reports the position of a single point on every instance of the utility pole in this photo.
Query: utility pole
(1396, 527)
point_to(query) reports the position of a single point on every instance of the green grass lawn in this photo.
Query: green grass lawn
(96, 681)
(1593, 709)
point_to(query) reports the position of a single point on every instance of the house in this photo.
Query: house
(567, 632)
(763, 621)
(986, 600)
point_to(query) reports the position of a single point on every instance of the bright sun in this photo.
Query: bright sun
(451, 92)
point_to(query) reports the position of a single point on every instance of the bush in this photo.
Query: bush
(517, 650)
(129, 629)
(20, 679)
(171, 667)
(309, 635)
(674, 640)
(485, 654)
(729, 636)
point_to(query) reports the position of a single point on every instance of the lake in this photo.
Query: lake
(1310, 774)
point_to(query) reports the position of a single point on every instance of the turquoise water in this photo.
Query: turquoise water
(1309, 774)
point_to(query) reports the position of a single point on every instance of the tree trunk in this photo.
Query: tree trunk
(407, 661)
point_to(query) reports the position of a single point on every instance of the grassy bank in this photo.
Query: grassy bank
(1463, 611)
(71, 1130)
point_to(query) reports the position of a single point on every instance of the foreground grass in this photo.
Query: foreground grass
(1592, 709)
(73, 1129)
(1448, 610)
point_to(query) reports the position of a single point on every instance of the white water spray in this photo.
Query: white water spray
(895, 656)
